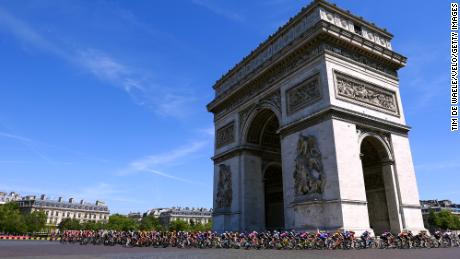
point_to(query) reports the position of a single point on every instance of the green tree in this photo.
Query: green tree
(432, 219)
(69, 224)
(443, 220)
(179, 225)
(201, 227)
(208, 226)
(150, 223)
(35, 221)
(11, 219)
(92, 225)
(121, 222)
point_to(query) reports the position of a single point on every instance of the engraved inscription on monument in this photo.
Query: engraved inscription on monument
(303, 94)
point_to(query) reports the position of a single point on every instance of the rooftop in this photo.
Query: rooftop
(297, 28)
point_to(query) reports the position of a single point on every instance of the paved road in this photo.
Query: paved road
(47, 249)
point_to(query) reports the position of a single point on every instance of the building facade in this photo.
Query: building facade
(311, 133)
(57, 210)
(189, 215)
(9, 197)
(136, 216)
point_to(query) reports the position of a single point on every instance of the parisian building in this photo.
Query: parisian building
(57, 210)
(9, 197)
(136, 216)
(196, 215)
(438, 206)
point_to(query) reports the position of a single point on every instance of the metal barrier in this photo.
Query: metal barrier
(9, 237)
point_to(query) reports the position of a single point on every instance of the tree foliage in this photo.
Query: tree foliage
(150, 223)
(35, 221)
(69, 224)
(12, 221)
(443, 220)
(179, 225)
(91, 225)
(121, 222)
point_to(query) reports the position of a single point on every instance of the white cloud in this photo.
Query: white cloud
(209, 131)
(219, 10)
(163, 159)
(30, 145)
(161, 99)
(173, 177)
(153, 162)
(15, 137)
(23, 32)
(37, 148)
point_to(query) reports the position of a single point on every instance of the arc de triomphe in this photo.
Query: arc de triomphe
(310, 131)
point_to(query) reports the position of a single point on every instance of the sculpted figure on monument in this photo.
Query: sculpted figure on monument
(308, 175)
(363, 92)
(224, 187)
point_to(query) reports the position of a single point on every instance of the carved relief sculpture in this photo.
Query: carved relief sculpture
(274, 100)
(225, 135)
(224, 187)
(365, 93)
(309, 177)
(303, 94)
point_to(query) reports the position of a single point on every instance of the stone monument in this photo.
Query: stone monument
(310, 131)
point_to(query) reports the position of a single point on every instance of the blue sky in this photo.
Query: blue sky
(106, 99)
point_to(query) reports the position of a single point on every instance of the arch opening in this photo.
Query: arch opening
(263, 135)
(378, 184)
(274, 203)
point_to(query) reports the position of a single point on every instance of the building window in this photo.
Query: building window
(358, 29)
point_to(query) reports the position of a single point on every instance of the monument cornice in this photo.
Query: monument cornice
(251, 148)
(335, 112)
(317, 12)
(378, 59)
(322, 201)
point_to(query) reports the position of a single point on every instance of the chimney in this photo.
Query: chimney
(82, 201)
(71, 200)
(98, 203)
(42, 197)
(60, 199)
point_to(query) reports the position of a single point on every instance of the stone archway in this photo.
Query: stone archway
(264, 182)
(274, 203)
(379, 185)
(309, 96)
